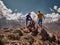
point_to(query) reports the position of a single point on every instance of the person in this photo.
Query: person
(28, 19)
(40, 16)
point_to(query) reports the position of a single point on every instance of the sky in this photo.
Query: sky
(26, 6)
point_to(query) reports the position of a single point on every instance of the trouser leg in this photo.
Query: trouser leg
(40, 22)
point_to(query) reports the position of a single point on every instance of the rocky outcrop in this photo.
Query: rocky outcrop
(31, 35)
(44, 35)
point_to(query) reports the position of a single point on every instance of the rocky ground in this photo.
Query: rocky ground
(31, 35)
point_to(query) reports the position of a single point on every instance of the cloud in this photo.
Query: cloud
(58, 10)
(16, 9)
(51, 9)
(54, 16)
(14, 16)
(34, 16)
(8, 18)
(7, 13)
(55, 7)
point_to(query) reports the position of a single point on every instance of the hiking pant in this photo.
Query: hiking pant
(28, 22)
(40, 22)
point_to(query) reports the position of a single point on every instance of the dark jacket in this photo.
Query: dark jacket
(28, 17)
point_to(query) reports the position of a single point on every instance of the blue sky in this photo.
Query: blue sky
(26, 6)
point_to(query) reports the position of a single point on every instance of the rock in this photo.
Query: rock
(59, 42)
(19, 31)
(52, 37)
(39, 30)
(1, 42)
(26, 30)
(44, 34)
(30, 39)
(34, 32)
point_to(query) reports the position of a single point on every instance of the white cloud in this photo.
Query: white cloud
(1, 4)
(8, 12)
(51, 9)
(54, 16)
(16, 9)
(34, 16)
(14, 16)
(58, 10)
(55, 7)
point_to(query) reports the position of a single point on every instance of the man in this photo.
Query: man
(28, 19)
(40, 16)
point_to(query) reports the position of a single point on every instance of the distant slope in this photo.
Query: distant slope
(53, 26)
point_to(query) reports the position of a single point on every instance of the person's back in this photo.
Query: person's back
(28, 19)
(40, 16)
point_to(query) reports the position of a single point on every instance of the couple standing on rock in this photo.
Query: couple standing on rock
(29, 19)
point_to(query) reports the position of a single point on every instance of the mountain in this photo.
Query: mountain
(54, 26)
(31, 35)
(52, 22)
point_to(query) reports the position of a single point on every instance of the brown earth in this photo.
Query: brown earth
(31, 35)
